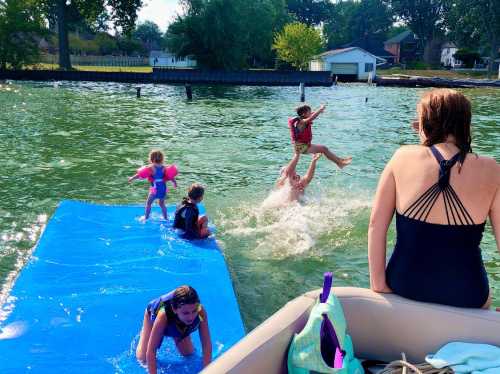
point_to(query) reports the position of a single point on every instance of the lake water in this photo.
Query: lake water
(82, 140)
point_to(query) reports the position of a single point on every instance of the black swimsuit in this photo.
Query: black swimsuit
(439, 263)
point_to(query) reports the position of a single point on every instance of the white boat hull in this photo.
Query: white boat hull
(381, 326)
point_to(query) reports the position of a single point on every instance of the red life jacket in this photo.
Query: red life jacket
(300, 136)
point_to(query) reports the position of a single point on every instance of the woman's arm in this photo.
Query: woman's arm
(383, 208)
(310, 172)
(495, 211)
(206, 342)
(133, 177)
(155, 339)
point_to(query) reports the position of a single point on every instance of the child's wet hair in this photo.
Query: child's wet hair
(156, 156)
(184, 295)
(303, 109)
(196, 191)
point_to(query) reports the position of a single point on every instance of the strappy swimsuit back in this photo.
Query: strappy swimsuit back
(434, 262)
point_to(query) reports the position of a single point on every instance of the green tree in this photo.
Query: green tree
(106, 43)
(20, 28)
(354, 20)
(426, 19)
(123, 13)
(310, 12)
(227, 34)
(297, 44)
(149, 34)
(473, 23)
(129, 46)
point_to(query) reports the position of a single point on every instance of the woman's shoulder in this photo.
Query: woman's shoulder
(411, 150)
(486, 165)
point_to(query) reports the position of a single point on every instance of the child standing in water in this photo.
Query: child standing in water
(301, 134)
(187, 216)
(177, 315)
(157, 174)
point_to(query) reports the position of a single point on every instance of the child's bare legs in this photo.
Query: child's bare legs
(185, 346)
(161, 203)
(318, 148)
(142, 346)
(149, 202)
(203, 226)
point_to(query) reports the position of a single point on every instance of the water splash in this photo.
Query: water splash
(284, 229)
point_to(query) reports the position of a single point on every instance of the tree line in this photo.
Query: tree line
(236, 34)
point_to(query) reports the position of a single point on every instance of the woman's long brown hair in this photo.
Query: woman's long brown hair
(444, 112)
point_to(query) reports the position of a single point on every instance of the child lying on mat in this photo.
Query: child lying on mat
(176, 315)
(187, 215)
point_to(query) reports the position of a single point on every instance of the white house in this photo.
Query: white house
(448, 51)
(353, 62)
(168, 59)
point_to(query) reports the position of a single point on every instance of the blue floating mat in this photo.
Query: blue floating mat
(78, 306)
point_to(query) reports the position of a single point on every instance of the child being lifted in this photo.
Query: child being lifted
(301, 134)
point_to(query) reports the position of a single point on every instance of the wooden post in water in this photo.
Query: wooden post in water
(302, 92)
(138, 92)
(189, 91)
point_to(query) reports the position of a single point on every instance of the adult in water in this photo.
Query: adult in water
(442, 195)
(290, 179)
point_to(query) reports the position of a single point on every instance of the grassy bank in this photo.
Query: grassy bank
(434, 73)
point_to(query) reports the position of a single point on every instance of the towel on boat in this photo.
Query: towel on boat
(467, 358)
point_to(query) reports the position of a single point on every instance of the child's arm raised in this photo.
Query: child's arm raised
(155, 339)
(206, 342)
(314, 115)
(310, 172)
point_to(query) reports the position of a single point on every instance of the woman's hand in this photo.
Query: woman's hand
(384, 289)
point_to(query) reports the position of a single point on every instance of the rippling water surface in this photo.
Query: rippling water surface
(82, 140)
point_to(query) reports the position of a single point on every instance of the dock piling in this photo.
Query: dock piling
(189, 92)
(138, 91)
(302, 92)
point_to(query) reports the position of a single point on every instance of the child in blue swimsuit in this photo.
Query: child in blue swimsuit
(157, 174)
(176, 314)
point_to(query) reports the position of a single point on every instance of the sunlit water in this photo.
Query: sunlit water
(82, 140)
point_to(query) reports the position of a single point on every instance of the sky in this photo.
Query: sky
(160, 12)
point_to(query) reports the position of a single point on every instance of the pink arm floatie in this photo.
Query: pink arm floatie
(170, 172)
(144, 172)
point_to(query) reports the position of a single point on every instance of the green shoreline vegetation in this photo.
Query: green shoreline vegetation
(237, 35)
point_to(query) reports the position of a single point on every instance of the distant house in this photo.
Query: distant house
(404, 46)
(168, 59)
(352, 63)
(373, 44)
(448, 51)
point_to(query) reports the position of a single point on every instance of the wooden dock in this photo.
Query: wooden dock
(416, 81)
(181, 77)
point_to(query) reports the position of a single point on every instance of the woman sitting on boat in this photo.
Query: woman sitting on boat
(442, 195)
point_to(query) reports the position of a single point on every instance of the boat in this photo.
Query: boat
(382, 326)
